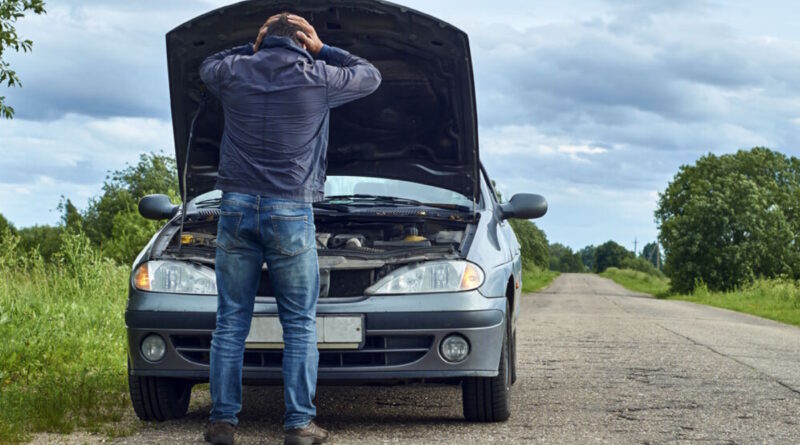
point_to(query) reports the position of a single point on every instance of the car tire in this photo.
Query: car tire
(513, 350)
(488, 399)
(159, 398)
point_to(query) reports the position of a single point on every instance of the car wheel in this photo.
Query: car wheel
(159, 398)
(488, 399)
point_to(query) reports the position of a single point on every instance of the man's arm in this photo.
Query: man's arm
(349, 77)
(217, 67)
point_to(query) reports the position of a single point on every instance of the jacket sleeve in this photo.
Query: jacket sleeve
(349, 77)
(217, 68)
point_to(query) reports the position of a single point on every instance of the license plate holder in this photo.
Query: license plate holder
(333, 332)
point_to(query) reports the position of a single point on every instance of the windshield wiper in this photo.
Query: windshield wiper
(206, 203)
(361, 199)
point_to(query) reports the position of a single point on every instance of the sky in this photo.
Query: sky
(593, 104)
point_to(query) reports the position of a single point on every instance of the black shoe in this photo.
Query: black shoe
(219, 433)
(311, 434)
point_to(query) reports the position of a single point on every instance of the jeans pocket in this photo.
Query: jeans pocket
(228, 230)
(291, 233)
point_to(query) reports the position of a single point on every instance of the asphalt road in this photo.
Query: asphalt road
(597, 364)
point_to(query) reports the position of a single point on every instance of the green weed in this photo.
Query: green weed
(535, 279)
(63, 354)
(776, 299)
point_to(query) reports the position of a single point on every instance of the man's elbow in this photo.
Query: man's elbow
(205, 71)
(373, 80)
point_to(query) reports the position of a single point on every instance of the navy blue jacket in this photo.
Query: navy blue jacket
(277, 106)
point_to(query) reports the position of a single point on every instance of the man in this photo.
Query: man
(277, 94)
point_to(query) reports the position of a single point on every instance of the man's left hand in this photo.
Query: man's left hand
(262, 32)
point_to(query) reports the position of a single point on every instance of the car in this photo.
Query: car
(420, 270)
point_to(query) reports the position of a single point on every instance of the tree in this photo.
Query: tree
(43, 239)
(587, 256)
(610, 254)
(533, 243)
(5, 225)
(71, 218)
(729, 219)
(652, 253)
(562, 259)
(112, 220)
(10, 12)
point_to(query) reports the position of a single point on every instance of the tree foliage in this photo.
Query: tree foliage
(652, 253)
(729, 219)
(6, 226)
(112, 220)
(563, 259)
(610, 254)
(533, 243)
(587, 256)
(10, 12)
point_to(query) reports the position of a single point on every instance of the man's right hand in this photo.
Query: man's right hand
(307, 34)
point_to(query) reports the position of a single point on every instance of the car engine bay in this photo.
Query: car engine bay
(353, 254)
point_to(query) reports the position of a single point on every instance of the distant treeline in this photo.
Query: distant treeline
(723, 223)
(111, 221)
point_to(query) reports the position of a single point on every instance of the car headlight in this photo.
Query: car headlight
(429, 277)
(177, 277)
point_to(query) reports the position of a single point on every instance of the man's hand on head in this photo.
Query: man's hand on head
(262, 32)
(307, 34)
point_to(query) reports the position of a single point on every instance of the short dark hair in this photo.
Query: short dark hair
(284, 28)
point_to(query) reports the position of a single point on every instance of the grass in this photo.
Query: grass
(637, 281)
(775, 299)
(535, 279)
(63, 353)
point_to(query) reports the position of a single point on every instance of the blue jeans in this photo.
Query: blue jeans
(253, 230)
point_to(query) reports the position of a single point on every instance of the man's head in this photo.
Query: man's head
(282, 27)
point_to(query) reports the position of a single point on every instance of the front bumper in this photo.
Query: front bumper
(402, 335)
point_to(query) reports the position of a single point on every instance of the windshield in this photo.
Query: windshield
(361, 185)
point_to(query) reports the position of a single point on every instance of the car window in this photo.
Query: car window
(362, 185)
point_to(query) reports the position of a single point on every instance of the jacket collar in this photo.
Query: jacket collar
(284, 42)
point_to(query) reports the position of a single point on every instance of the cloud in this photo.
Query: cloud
(595, 104)
(41, 161)
(97, 58)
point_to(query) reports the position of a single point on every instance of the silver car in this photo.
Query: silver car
(420, 274)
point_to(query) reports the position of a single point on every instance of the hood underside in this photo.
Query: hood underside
(420, 125)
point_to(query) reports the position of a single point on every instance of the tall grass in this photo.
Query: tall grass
(535, 278)
(654, 284)
(776, 299)
(62, 348)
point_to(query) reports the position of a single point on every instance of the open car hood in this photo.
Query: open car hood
(420, 125)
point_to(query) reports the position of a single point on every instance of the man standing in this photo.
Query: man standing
(277, 94)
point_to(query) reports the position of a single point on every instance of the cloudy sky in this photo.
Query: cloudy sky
(594, 104)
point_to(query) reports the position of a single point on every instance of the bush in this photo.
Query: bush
(642, 265)
(610, 254)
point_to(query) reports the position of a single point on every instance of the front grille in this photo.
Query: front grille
(378, 350)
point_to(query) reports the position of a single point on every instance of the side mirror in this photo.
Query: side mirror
(157, 207)
(524, 206)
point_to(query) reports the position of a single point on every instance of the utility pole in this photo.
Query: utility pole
(635, 244)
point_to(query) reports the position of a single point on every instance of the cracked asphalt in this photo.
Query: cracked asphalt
(597, 364)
